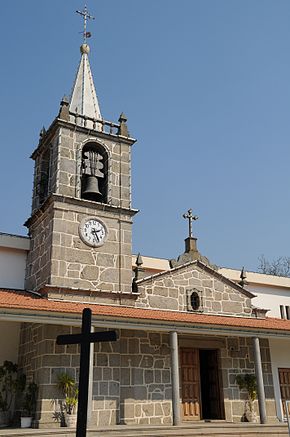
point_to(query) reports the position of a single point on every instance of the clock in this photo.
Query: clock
(93, 231)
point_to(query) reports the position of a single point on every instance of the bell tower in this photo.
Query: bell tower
(81, 219)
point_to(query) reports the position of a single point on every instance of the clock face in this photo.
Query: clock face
(93, 231)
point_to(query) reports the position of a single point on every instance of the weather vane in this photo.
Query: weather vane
(86, 15)
(190, 218)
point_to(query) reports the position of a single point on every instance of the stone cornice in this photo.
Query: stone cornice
(78, 202)
(47, 137)
(94, 205)
(57, 122)
(72, 294)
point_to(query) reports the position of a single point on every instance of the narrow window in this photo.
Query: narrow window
(287, 312)
(282, 311)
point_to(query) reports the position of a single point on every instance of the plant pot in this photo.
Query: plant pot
(25, 422)
(4, 418)
(71, 420)
(251, 416)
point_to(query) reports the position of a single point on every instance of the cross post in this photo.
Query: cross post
(86, 15)
(85, 338)
(190, 218)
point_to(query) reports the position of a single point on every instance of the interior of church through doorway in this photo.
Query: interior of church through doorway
(201, 384)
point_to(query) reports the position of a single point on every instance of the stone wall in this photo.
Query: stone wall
(132, 383)
(171, 290)
(131, 379)
(64, 146)
(55, 229)
(41, 359)
(237, 357)
(70, 144)
(75, 264)
(38, 265)
(132, 376)
(58, 256)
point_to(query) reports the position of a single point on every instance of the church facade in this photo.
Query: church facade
(184, 333)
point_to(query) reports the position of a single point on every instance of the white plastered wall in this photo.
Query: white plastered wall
(12, 268)
(280, 357)
(9, 341)
(270, 298)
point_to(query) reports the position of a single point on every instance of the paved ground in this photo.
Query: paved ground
(194, 430)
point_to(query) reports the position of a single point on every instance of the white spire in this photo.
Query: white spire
(84, 99)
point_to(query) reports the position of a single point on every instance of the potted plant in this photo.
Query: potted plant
(247, 381)
(11, 383)
(29, 405)
(68, 386)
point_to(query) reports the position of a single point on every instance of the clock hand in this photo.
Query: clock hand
(94, 232)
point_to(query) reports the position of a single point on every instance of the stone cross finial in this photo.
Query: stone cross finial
(139, 260)
(243, 277)
(86, 15)
(190, 218)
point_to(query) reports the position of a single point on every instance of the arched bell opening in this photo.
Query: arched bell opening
(94, 177)
(44, 176)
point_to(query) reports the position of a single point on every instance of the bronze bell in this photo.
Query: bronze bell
(91, 189)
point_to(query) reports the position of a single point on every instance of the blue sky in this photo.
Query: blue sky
(206, 88)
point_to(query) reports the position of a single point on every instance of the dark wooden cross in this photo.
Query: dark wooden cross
(85, 338)
(190, 218)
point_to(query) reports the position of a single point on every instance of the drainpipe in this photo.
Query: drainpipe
(175, 378)
(260, 382)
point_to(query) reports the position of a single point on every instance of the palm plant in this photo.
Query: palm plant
(68, 386)
(248, 382)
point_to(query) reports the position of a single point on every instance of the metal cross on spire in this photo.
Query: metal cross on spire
(190, 218)
(86, 15)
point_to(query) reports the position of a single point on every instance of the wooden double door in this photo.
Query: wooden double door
(284, 380)
(200, 384)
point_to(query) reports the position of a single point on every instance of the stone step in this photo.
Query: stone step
(186, 430)
(200, 431)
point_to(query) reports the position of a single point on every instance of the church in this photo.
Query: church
(186, 329)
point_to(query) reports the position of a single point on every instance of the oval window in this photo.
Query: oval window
(195, 300)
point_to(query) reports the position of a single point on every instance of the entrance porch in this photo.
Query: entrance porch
(149, 377)
(168, 369)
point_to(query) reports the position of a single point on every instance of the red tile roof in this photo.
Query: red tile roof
(12, 300)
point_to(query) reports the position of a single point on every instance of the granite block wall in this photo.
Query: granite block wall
(75, 264)
(131, 377)
(172, 291)
(58, 256)
(64, 147)
(38, 265)
(132, 383)
(237, 357)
